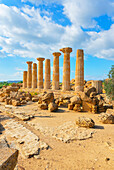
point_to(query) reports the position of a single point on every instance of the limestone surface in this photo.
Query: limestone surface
(66, 132)
(23, 139)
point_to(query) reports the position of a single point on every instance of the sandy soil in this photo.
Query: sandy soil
(89, 154)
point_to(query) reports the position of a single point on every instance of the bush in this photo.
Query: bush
(109, 84)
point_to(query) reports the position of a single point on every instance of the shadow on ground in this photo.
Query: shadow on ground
(99, 127)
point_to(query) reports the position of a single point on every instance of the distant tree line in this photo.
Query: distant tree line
(5, 83)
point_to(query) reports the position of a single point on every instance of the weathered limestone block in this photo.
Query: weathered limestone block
(52, 107)
(47, 74)
(16, 103)
(76, 100)
(70, 106)
(66, 68)
(55, 82)
(87, 107)
(77, 108)
(85, 122)
(48, 98)
(106, 118)
(110, 111)
(8, 158)
(23, 102)
(88, 91)
(43, 106)
(79, 75)
(35, 99)
(29, 74)
(40, 72)
(97, 85)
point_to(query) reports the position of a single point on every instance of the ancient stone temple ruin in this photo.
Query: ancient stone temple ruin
(34, 81)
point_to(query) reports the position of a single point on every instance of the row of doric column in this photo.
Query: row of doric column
(30, 76)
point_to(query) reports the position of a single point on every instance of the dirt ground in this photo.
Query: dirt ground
(96, 153)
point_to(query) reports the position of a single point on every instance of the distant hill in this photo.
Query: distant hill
(14, 81)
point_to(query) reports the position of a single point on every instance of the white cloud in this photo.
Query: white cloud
(101, 44)
(24, 32)
(83, 12)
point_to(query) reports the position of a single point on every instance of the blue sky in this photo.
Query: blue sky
(37, 28)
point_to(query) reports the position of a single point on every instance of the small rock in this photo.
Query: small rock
(106, 118)
(52, 107)
(107, 159)
(85, 122)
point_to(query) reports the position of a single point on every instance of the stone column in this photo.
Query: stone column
(40, 72)
(29, 74)
(55, 81)
(47, 74)
(79, 74)
(34, 76)
(66, 68)
(24, 79)
(98, 85)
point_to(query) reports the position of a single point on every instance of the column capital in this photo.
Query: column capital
(47, 59)
(40, 59)
(57, 54)
(66, 50)
(29, 62)
(81, 51)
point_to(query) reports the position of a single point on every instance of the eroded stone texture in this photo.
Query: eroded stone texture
(23, 139)
(79, 75)
(66, 68)
(66, 132)
(47, 74)
(24, 79)
(55, 82)
(97, 85)
(40, 72)
(85, 122)
(29, 74)
(34, 76)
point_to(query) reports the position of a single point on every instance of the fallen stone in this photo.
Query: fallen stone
(35, 99)
(70, 106)
(8, 158)
(110, 111)
(16, 103)
(52, 107)
(43, 106)
(88, 91)
(106, 118)
(48, 98)
(85, 122)
(75, 100)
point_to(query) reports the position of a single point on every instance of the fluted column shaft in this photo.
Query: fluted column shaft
(47, 74)
(66, 68)
(34, 76)
(24, 79)
(79, 74)
(40, 72)
(29, 74)
(55, 81)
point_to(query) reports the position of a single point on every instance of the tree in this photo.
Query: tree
(109, 84)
